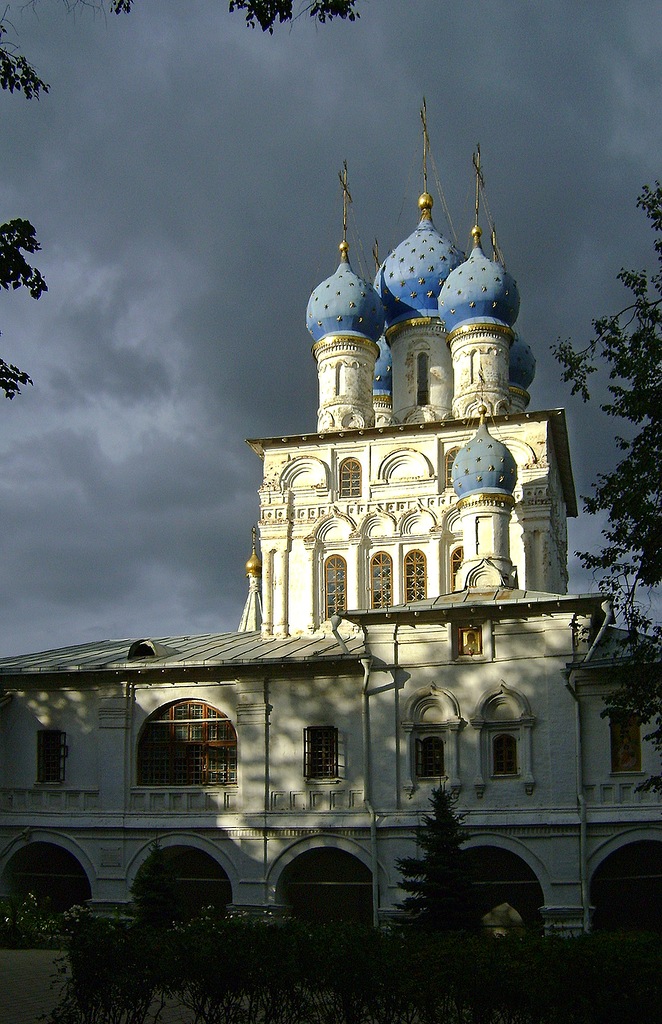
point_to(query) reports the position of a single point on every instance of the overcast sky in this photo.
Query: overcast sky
(182, 175)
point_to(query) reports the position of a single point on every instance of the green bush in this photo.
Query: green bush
(27, 923)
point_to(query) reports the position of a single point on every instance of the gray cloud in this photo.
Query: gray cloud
(182, 175)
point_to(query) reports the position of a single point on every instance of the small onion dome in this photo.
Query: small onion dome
(522, 363)
(345, 304)
(382, 382)
(484, 465)
(254, 565)
(480, 291)
(412, 274)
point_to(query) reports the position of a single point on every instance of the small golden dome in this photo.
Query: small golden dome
(254, 565)
(344, 249)
(475, 234)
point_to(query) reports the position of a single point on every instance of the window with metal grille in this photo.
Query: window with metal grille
(381, 574)
(350, 478)
(457, 557)
(430, 757)
(450, 459)
(422, 379)
(51, 755)
(335, 585)
(415, 572)
(320, 752)
(504, 751)
(187, 744)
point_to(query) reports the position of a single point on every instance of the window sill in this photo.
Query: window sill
(312, 781)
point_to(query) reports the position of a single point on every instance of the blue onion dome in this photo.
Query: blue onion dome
(382, 382)
(345, 304)
(480, 291)
(484, 465)
(522, 363)
(412, 274)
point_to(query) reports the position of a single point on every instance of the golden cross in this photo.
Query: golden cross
(479, 177)
(426, 144)
(346, 197)
(375, 254)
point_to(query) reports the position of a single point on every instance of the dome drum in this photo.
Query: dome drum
(480, 358)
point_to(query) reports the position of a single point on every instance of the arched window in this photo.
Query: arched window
(335, 585)
(415, 573)
(504, 754)
(457, 557)
(381, 575)
(448, 465)
(187, 744)
(350, 478)
(625, 736)
(430, 758)
(422, 379)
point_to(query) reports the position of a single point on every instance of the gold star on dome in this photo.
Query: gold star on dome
(339, 318)
(472, 305)
(430, 294)
(421, 280)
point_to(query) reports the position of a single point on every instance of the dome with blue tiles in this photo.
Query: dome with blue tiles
(382, 382)
(412, 274)
(484, 466)
(345, 304)
(480, 291)
(522, 363)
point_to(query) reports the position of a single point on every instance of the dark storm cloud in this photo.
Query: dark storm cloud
(182, 175)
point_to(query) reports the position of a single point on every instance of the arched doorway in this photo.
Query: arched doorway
(49, 872)
(626, 889)
(501, 877)
(199, 880)
(328, 885)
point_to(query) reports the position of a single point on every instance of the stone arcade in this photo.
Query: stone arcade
(407, 625)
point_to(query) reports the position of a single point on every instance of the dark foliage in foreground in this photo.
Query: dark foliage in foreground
(237, 971)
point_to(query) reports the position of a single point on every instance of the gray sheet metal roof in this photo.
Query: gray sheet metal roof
(501, 598)
(187, 652)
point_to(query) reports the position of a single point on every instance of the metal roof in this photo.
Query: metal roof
(208, 650)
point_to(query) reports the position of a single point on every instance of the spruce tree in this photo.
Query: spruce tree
(154, 893)
(441, 894)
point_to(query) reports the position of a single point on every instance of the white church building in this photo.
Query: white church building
(407, 626)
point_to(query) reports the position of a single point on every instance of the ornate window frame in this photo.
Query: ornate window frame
(433, 712)
(503, 712)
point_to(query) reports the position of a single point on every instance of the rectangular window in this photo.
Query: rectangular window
(51, 754)
(320, 752)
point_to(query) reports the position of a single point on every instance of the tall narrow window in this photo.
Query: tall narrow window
(625, 735)
(335, 585)
(187, 744)
(422, 379)
(457, 557)
(51, 755)
(430, 757)
(350, 478)
(450, 459)
(320, 752)
(415, 573)
(381, 574)
(504, 750)
(337, 375)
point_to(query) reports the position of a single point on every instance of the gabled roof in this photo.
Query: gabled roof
(207, 651)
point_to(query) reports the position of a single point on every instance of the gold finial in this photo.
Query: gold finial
(425, 202)
(254, 565)
(482, 412)
(475, 234)
(479, 179)
(346, 198)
